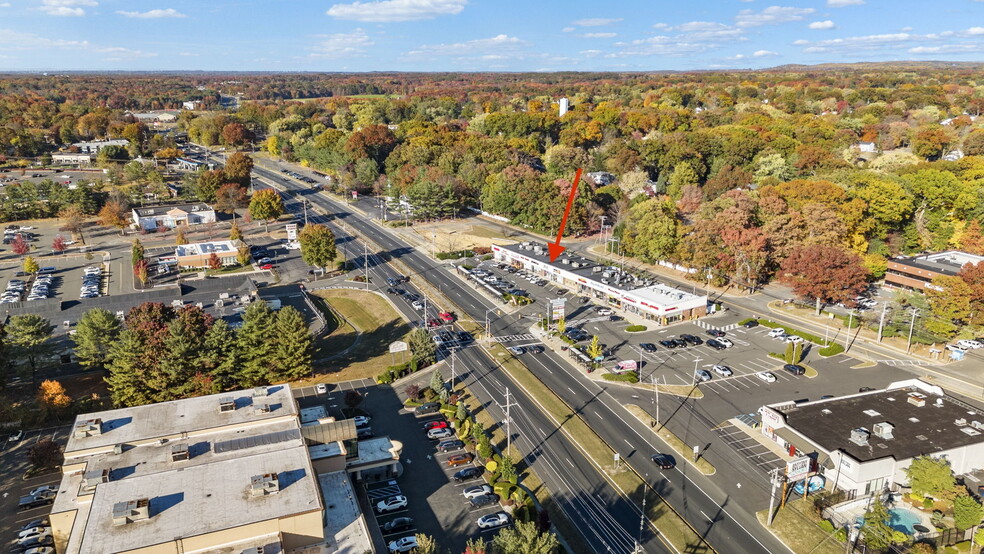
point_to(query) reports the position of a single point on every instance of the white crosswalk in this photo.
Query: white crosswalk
(512, 338)
(904, 362)
(705, 325)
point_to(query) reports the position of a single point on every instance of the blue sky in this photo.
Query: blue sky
(480, 35)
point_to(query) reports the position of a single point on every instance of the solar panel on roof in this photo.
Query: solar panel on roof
(257, 440)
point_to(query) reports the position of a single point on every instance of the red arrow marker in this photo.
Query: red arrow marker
(555, 248)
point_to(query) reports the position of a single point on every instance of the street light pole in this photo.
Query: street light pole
(908, 346)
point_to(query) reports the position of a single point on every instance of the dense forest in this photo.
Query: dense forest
(737, 173)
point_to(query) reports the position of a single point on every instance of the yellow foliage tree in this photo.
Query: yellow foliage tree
(51, 395)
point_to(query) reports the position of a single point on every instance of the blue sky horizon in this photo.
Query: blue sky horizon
(479, 35)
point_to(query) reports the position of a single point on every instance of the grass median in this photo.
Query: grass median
(671, 526)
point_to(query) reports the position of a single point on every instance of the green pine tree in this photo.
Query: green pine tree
(95, 333)
(798, 353)
(220, 355)
(257, 346)
(136, 252)
(127, 369)
(437, 381)
(293, 354)
(788, 356)
(30, 335)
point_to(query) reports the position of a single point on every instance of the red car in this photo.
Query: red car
(266, 266)
(447, 317)
(439, 424)
(433, 323)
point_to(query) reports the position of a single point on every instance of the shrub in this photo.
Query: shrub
(482, 250)
(384, 378)
(412, 391)
(831, 350)
(826, 526)
(630, 377)
(928, 503)
(635, 328)
(487, 257)
(454, 255)
(841, 535)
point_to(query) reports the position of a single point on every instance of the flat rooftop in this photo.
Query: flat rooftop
(345, 528)
(189, 416)
(944, 263)
(201, 499)
(918, 430)
(202, 248)
(590, 270)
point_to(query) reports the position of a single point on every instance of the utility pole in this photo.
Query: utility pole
(366, 263)
(601, 235)
(454, 350)
(908, 346)
(881, 322)
(642, 522)
(774, 474)
(506, 407)
(847, 339)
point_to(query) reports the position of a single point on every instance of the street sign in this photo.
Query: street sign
(291, 231)
(355, 195)
(557, 308)
(798, 468)
(398, 346)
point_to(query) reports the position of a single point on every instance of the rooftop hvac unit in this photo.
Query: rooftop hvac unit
(977, 424)
(883, 430)
(939, 403)
(227, 405)
(262, 485)
(565, 261)
(95, 477)
(263, 408)
(596, 269)
(88, 428)
(118, 449)
(131, 511)
(179, 453)
(917, 400)
(260, 392)
(860, 436)
(960, 422)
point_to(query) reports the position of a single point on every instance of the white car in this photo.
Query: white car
(723, 370)
(417, 305)
(766, 376)
(795, 339)
(436, 434)
(967, 343)
(727, 343)
(605, 311)
(777, 333)
(497, 519)
(406, 544)
(361, 420)
(478, 490)
(42, 489)
(321, 388)
(391, 503)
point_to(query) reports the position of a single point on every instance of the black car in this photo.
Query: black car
(535, 349)
(398, 524)
(43, 522)
(795, 369)
(681, 343)
(751, 323)
(464, 336)
(866, 389)
(391, 290)
(450, 445)
(692, 339)
(717, 333)
(716, 345)
(664, 461)
(427, 408)
(648, 347)
(667, 343)
(392, 282)
(467, 473)
(484, 500)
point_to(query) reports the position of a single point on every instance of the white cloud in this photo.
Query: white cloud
(153, 14)
(664, 25)
(499, 44)
(772, 15)
(975, 30)
(16, 40)
(599, 35)
(907, 29)
(120, 54)
(341, 45)
(706, 30)
(764, 54)
(4, 4)
(595, 22)
(396, 10)
(572, 29)
(947, 49)
(187, 54)
(823, 25)
(66, 8)
(842, 3)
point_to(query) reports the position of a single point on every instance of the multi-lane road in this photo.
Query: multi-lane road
(726, 525)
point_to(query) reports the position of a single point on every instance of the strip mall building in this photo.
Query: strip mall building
(650, 300)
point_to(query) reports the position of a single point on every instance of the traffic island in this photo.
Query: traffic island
(683, 450)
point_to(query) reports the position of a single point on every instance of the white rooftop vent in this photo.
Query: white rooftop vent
(883, 430)
(872, 413)
(917, 400)
(969, 431)
(262, 485)
(227, 405)
(131, 511)
(95, 477)
(825, 411)
(960, 422)
(977, 424)
(860, 436)
(939, 402)
(88, 428)
(259, 392)
(179, 453)
(263, 408)
(914, 419)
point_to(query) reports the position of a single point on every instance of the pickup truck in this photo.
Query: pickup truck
(33, 501)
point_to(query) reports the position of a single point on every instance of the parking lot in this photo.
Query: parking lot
(65, 277)
(14, 463)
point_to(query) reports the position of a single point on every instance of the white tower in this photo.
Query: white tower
(563, 107)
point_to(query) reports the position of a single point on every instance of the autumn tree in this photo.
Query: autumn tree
(973, 275)
(214, 262)
(179, 237)
(58, 244)
(72, 220)
(267, 205)
(317, 245)
(238, 169)
(113, 214)
(31, 265)
(19, 246)
(52, 397)
(231, 197)
(45, 453)
(234, 134)
(208, 183)
(136, 252)
(950, 300)
(828, 274)
(141, 271)
(234, 232)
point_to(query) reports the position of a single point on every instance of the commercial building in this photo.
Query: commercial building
(77, 159)
(156, 117)
(172, 216)
(243, 471)
(93, 146)
(645, 298)
(196, 255)
(862, 443)
(917, 272)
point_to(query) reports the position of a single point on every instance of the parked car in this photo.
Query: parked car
(866, 389)
(750, 324)
(321, 388)
(427, 408)
(43, 488)
(777, 333)
(483, 500)
(727, 343)
(437, 434)
(16, 436)
(691, 339)
(460, 459)
(716, 344)
(967, 343)
(648, 347)
(605, 311)
(723, 370)
(795, 339)
(664, 461)
(766, 376)
(489, 521)
(716, 333)
(667, 343)
(450, 445)
(439, 424)
(361, 420)
(702, 375)
(404, 544)
(477, 490)
(391, 503)
(466, 474)
(402, 523)
(795, 369)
